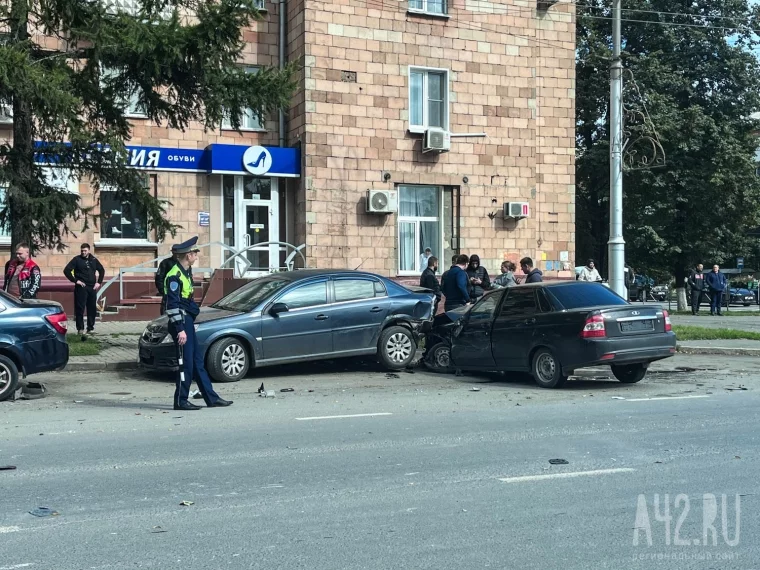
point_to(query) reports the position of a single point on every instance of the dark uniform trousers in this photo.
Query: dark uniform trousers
(193, 366)
(85, 299)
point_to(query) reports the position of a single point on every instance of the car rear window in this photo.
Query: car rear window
(579, 295)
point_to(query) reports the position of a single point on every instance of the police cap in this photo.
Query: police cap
(186, 246)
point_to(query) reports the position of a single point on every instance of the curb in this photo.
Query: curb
(718, 350)
(99, 366)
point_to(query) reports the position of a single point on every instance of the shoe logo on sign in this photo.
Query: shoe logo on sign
(257, 160)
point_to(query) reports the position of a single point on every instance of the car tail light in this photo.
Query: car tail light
(59, 321)
(668, 326)
(594, 327)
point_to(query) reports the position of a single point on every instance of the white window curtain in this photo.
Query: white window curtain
(419, 225)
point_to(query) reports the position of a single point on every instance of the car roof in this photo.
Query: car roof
(300, 274)
(563, 283)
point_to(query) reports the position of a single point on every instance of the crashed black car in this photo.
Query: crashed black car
(551, 330)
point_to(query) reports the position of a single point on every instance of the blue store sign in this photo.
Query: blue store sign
(214, 159)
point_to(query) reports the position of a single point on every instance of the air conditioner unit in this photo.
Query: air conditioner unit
(516, 210)
(382, 201)
(6, 114)
(436, 140)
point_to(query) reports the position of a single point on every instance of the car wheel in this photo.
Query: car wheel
(547, 369)
(396, 348)
(228, 360)
(8, 377)
(438, 358)
(747, 304)
(629, 373)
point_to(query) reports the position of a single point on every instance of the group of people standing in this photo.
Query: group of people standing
(23, 280)
(467, 280)
(713, 283)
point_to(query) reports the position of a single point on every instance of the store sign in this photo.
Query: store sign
(204, 219)
(214, 159)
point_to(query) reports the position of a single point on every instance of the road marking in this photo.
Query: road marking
(27, 565)
(566, 475)
(665, 398)
(7, 529)
(346, 416)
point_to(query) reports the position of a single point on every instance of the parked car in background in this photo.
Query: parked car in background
(551, 330)
(32, 340)
(660, 293)
(301, 316)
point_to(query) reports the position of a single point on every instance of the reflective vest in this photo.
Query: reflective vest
(187, 284)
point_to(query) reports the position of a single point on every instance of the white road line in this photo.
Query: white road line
(7, 529)
(346, 416)
(566, 475)
(27, 565)
(665, 398)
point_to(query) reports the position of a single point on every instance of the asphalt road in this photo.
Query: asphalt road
(448, 478)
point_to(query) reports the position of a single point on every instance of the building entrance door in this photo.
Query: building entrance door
(257, 221)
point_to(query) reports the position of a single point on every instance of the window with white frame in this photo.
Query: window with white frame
(249, 120)
(58, 178)
(122, 219)
(419, 226)
(131, 102)
(428, 98)
(429, 6)
(261, 5)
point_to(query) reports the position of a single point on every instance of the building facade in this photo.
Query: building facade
(436, 114)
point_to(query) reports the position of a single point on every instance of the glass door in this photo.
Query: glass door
(257, 223)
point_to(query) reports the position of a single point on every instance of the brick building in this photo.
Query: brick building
(385, 87)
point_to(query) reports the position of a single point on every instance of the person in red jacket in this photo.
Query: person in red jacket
(22, 277)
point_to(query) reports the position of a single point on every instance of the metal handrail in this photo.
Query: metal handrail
(139, 268)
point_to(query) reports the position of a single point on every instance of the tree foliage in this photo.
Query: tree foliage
(691, 68)
(69, 67)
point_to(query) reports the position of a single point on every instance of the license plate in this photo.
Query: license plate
(636, 326)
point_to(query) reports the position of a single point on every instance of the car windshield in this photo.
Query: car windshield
(579, 295)
(251, 295)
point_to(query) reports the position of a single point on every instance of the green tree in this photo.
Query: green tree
(68, 68)
(696, 77)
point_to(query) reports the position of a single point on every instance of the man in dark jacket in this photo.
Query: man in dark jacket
(428, 280)
(163, 268)
(716, 284)
(454, 286)
(81, 271)
(22, 277)
(531, 275)
(697, 286)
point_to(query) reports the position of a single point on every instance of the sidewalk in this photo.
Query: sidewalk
(118, 348)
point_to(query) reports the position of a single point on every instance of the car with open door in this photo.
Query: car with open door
(551, 330)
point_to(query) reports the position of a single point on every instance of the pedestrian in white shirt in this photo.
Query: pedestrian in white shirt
(589, 273)
(424, 258)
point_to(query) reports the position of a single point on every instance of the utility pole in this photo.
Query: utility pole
(616, 243)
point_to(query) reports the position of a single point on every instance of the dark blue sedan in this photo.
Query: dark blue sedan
(32, 339)
(301, 316)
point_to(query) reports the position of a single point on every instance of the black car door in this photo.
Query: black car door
(514, 328)
(471, 348)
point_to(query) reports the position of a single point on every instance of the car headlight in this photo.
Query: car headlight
(167, 339)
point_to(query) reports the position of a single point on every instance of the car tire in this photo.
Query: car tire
(747, 304)
(438, 359)
(8, 377)
(547, 369)
(396, 348)
(629, 373)
(228, 360)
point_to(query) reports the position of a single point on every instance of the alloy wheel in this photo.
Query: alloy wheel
(398, 347)
(5, 377)
(233, 360)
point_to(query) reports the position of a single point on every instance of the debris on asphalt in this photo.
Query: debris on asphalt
(287, 390)
(44, 512)
(392, 375)
(79, 401)
(618, 398)
(7, 467)
(559, 461)
(737, 457)
(474, 389)
(186, 503)
(311, 390)
(157, 530)
(740, 387)
(267, 394)
(33, 391)
(261, 388)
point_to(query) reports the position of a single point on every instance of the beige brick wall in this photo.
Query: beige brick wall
(511, 77)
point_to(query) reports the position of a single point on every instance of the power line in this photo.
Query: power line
(677, 24)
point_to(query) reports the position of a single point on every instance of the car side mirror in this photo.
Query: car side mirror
(278, 308)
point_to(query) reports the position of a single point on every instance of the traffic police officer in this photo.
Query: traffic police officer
(182, 309)
(163, 268)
